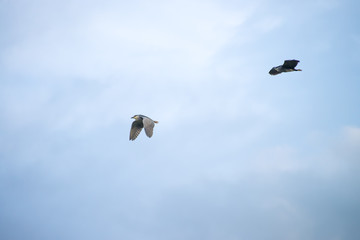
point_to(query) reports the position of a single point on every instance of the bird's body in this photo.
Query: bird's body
(141, 122)
(288, 66)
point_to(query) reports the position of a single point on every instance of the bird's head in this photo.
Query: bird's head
(136, 117)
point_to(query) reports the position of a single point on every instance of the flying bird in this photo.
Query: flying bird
(288, 66)
(141, 122)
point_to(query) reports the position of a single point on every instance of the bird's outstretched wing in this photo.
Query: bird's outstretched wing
(135, 130)
(148, 126)
(290, 63)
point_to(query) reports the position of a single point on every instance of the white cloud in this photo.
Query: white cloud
(351, 136)
(151, 58)
(172, 38)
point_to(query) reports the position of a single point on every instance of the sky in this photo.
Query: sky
(237, 154)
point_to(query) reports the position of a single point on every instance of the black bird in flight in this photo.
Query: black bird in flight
(288, 66)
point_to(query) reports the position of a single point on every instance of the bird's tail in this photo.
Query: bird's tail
(298, 70)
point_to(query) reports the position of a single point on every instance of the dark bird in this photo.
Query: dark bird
(141, 122)
(288, 66)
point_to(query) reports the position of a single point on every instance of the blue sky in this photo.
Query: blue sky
(237, 154)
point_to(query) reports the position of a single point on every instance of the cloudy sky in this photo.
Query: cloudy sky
(237, 154)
